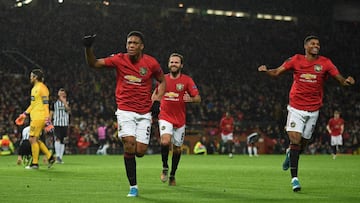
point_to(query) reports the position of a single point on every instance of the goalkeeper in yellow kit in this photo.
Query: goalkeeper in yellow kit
(39, 118)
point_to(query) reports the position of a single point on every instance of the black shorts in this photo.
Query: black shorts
(61, 133)
(25, 148)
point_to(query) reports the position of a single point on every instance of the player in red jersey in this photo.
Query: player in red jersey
(227, 129)
(180, 89)
(134, 73)
(305, 98)
(335, 127)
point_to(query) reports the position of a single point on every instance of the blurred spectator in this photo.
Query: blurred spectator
(6, 146)
(83, 144)
(102, 138)
(200, 146)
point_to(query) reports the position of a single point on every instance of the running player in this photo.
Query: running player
(180, 89)
(134, 73)
(305, 98)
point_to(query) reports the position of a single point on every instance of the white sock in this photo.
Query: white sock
(249, 151)
(57, 148)
(255, 151)
(62, 149)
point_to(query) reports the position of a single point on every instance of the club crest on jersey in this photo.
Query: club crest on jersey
(179, 87)
(163, 127)
(292, 124)
(317, 68)
(143, 71)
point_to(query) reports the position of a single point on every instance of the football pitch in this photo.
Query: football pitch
(211, 178)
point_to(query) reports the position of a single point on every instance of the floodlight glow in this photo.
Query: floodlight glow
(228, 13)
(219, 12)
(27, 1)
(190, 10)
(268, 16)
(288, 18)
(278, 17)
(240, 14)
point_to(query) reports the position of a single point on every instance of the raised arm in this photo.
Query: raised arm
(272, 72)
(90, 57)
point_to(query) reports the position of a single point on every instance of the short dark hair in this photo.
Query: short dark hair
(178, 55)
(137, 34)
(310, 37)
(39, 74)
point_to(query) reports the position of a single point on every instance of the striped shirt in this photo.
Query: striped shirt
(60, 115)
(26, 133)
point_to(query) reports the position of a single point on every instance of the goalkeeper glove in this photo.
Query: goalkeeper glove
(20, 120)
(88, 40)
(49, 128)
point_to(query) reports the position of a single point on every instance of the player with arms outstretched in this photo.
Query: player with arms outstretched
(305, 99)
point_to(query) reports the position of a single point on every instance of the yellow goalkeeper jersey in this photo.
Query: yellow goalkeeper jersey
(39, 105)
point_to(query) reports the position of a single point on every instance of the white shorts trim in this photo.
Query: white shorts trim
(177, 134)
(301, 121)
(336, 140)
(227, 137)
(134, 124)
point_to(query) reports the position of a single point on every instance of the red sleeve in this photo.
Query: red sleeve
(110, 61)
(289, 63)
(333, 71)
(192, 88)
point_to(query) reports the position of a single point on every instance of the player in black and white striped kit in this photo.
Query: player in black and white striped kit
(24, 151)
(60, 113)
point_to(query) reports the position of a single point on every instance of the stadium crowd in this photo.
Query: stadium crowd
(222, 55)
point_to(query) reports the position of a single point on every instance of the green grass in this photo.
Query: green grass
(212, 178)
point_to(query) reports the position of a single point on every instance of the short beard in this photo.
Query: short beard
(174, 74)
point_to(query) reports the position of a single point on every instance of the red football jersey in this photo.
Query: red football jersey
(335, 126)
(172, 105)
(134, 81)
(307, 89)
(227, 125)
